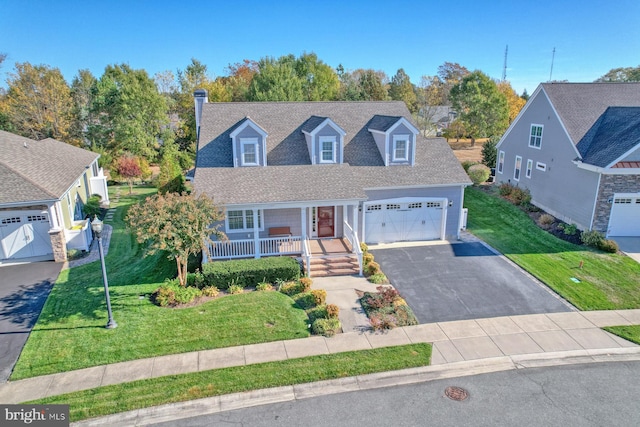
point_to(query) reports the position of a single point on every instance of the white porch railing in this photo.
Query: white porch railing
(245, 248)
(306, 253)
(352, 237)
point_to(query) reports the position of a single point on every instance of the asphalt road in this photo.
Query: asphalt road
(462, 281)
(23, 291)
(597, 394)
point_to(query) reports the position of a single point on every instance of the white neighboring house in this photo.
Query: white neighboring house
(44, 187)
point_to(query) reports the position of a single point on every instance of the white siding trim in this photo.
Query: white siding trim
(595, 203)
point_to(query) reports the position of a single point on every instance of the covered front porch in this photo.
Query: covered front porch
(312, 231)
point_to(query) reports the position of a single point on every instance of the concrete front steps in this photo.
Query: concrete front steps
(333, 265)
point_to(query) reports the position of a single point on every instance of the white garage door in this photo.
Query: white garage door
(397, 220)
(625, 216)
(24, 234)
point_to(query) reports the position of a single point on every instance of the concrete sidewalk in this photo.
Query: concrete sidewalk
(453, 342)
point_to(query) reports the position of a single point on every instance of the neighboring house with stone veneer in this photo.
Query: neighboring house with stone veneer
(44, 187)
(576, 147)
(293, 172)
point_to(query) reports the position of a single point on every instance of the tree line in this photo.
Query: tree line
(126, 113)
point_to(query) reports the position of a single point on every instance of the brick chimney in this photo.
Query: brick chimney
(200, 98)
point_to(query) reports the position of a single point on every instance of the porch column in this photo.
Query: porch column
(256, 234)
(303, 220)
(355, 221)
(54, 222)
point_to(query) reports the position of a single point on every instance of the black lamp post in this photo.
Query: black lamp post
(96, 226)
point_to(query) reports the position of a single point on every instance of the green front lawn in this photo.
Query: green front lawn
(607, 281)
(177, 388)
(629, 333)
(70, 332)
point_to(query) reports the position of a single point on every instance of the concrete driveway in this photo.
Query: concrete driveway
(23, 290)
(629, 245)
(461, 281)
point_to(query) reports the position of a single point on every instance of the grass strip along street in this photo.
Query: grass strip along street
(177, 388)
(605, 281)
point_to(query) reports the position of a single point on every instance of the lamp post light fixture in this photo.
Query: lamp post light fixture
(96, 226)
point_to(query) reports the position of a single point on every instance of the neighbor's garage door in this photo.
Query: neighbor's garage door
(24, 234)
(404, 220)
(625, 217)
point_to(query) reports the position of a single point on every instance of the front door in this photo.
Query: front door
(325, 221)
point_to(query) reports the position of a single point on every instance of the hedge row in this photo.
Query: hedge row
(250, 272)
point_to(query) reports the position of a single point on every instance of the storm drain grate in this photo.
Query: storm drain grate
(456, 393)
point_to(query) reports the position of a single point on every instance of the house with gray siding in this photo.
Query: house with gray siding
(576, 147)
(296, 174)
(45, 185)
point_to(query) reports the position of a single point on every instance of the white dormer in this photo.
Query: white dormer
(396, 139)
(249, 142)
(325, 140)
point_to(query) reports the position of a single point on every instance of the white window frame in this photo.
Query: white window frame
(529, 168)
(406, 139)
(245, 214)
(517, 168)
(541, 166)
(535, 138)
(251, 142)
(321, 141)
(501, 162)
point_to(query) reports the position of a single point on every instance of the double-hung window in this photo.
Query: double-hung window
(518, 167)
(400, 148)
(249, 147)
(327, 149)
(535, 137)
(242, 220)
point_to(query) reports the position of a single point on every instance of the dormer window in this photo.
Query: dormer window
(249, 148)
(327, 149)
(400, 148)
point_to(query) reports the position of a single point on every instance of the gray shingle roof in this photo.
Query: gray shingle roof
(579, 105)
(41, 170)
(615, 132)
(290, 176)
(382, 123)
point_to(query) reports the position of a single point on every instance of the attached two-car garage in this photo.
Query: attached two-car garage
(404, 219)
(24, 234)
(625, 216)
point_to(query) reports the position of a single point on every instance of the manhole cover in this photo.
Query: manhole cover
(456, 393)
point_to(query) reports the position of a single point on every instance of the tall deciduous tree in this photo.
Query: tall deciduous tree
(373, 86)
(401, 89)
(238, 79)
(276, 80)
(38, 102)
(82, 88)
(621, 74)
(480, 106)
(181, 225)
(319, 81)
(514, 101)
(129, 112)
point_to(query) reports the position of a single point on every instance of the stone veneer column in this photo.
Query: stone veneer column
(58, 245)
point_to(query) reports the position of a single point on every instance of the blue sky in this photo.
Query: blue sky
(590, 37)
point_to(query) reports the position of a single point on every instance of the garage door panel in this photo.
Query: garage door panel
(24, 234)
(625, 217)
(392, 221)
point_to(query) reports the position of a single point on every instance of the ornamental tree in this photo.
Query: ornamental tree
(128, 167)
(180, 224)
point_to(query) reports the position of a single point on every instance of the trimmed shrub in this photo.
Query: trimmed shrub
(320, 296)
(519, 197)
(235, 289)
(264, 287)
(196, 280)
(250, 272)
(546, 220)
(367, 258)
(378, 279)
(364, 248)
(608, 245)
(306, 283)
(186, 294)
(305, 300)
(372, 268)
(170, 293)
(478, 174)
(505, 189)
(164, 296)
(291, 288)
(210, 291)
(92, 207)
(319, 312)
(592, 238)
(326, 327)
(332, 311)
(466, 165)
(568, 229)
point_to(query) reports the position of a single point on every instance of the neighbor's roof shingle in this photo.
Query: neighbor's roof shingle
(38, 170)
(290, 176)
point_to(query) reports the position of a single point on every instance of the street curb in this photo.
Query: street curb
(217, 404)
